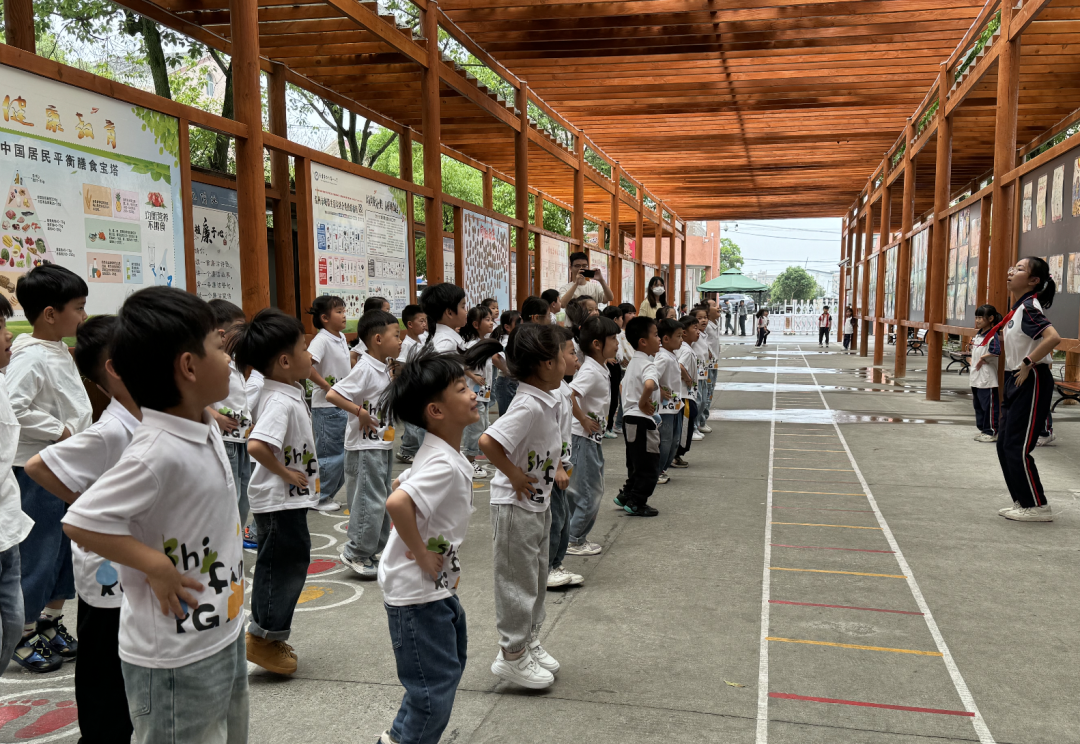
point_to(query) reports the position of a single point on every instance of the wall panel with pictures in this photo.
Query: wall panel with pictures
(920, 243)
(554, 263)
(961, 288)
(871, 276)
(889, 310)
(1050, 229)
(217, 243)
(601, 261)
(486, 255)
(629, 269)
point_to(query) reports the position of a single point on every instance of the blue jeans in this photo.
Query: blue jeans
(11, 605)
(328, 425)
(45, 554)
(708, 397)
(280, 571)
(559, 537)
(586, 487)
(503, 390)
(470, 438)
(241, 473)
(430, 643)
(205, 701)
(368, 478)
(670, 428)
(411, 439)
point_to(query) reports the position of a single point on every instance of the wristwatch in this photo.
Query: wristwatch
(1027, 361)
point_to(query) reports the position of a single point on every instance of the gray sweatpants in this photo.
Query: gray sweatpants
(521, 571)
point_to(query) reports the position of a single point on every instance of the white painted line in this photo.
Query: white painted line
(766, 577)
(957, 679)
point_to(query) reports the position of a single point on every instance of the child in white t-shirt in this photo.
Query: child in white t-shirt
(444, 305)
(560, 507)
(525, 444)
(167, 514)
(415, 321)
(421, 567)
(329, 363)
(369, 442)
(478, 325)
(671, 400)
(591, 389)
(984, 374)
(691, 366)
(283, 487)
(67, 469)
(641, 419)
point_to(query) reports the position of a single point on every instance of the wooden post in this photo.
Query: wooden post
(190, 277)
(658, 241)
(405, 171)
(459, 249)
(489, 188)
(639, 250)
(1002, 248)
(683, 274)
(864, 302)
(984, 251)
(250, 176)
(884, 239)
(431, 122)
(856, 256)
(903, 261)
(279, 179)
(538, 220)
(937, 261)
(405, 155)
(305, 237)
(578, 222)
(521, 191)
(615, 266)
(845, 231)
(19, 27)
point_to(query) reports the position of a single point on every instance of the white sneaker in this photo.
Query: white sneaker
(524, 671)
(363, 570)
(585, 548)
(480, 472)
(982, 437)
(1032, 514)
(328, 506)
(1043, 441)
(558, 576)
(662, 479)
(575, 579)
(705, 428)
(698, 436)
(1015, 505)
(543, 658)
(387, 739)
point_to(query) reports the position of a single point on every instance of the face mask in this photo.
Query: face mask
(658, 291)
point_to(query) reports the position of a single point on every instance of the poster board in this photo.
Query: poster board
(361, 240)
(217, 243)
(963, 267)
(917, 292)
(486, 253)
(449, 262)
(91, 184)
(628, 274)
(889, 311)
(871, 279)
(601, 261)
(554, 263)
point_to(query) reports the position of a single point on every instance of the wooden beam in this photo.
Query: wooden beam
(279, 176)
(884, 239)
(459, 247)
(431, 116)
(864, 303)
(184, 156)
(19, 25)
(1004, 193)
(984, 250)
(615, 266)
(903, 259)
(538, 221)
(305, 237)
(937, 259)
(578, 222)
(489, 193)
(367, 18)
(521, 193)
(1022, 19)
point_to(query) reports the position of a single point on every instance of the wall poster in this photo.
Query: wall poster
(917, 295)
(217, 243)
(554, 263)
(1056, 196)
(361, 240)
(91, 184)
(486, 253)
(1040, 203)
(1026, 210)
(628, 271)
(601, 261)
(448, 260)
(1074, 274)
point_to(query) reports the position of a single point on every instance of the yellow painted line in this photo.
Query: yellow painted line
(855, 646)
(821, 493)
(809, 524)
(790, 449)
(846, 573)
(831, 470)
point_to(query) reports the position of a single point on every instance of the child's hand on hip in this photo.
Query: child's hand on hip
(170, 587)
(430, 563)
(521, 483)
(296, 478)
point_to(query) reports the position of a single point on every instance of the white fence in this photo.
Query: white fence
(797, 318)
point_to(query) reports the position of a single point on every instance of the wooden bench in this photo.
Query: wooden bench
(917, 343)
(1066, 390)
(963, 358)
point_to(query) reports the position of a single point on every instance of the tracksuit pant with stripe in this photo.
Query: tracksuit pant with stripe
(987, 409)
(1023, 418)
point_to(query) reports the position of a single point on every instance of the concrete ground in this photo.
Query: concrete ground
(804, 582)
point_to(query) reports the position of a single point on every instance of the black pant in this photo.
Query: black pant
(728, 328)
(687, 436)
(847, 340)
(99, 681)
(616, 371)
(280, 571)
(1023, 417)
(742, 325)
(642, 459)
(823, 333)
(762, 334)
(987, 409)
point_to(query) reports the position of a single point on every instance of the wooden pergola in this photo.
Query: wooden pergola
(1005, 91)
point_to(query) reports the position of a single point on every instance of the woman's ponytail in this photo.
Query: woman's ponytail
(1047, 287)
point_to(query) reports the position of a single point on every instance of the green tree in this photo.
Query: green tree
(794, 283)
(730, 255)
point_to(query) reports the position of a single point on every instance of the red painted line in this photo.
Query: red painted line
(842, 607)
(788, 696)
(818, 547)
(814, 508)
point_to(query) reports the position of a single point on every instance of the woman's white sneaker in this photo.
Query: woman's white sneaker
(1015, 505)
(1031, 514)
(524, 671)
(543, 658)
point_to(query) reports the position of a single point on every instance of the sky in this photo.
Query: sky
(773, 245)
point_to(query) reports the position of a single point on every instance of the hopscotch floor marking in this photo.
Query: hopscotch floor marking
(962, 690)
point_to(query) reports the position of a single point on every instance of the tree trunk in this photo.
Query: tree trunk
(155, 56)
(219, 159)
(355, 155)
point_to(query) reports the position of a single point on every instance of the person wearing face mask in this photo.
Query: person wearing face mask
(655, 298)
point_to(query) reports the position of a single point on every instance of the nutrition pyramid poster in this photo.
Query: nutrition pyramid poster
(91, 184)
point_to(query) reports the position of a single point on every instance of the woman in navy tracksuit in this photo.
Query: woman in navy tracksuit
(1028, 340)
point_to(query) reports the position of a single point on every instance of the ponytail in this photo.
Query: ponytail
(1047, 287)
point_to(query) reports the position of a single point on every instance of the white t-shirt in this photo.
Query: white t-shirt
(409, 346)
(483, 392)
(690, 361)
(330, 358)
(236, 407)
(701, 348)
(364, 385)
(285, 425)
(592, 383)
(529, 431)
(173, 490)
(987, 377)
(712, 335)
(78, 462)
(566, 415)
(441, 487)
(591, 288)
(642, 367)
(667, 366)
(446, 339)
(1022, 333)
(625, 351)
(14, 524)
(253, 389)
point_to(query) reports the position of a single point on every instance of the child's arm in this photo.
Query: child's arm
(590, 426)
(496, 455)
(367, 423)
(500, 364)
(562, 478)
(44, 477)
(319, 380)
(402, 511)
(685, 375)
(24, 382)
(227, 423)
(169, 585)
(478, 379)
(645, 401)
(263, 455)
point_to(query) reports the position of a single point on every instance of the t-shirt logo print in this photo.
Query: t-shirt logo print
(542, 464)
(109, 579)
(202, 617)
(451, 564)
(306, 459)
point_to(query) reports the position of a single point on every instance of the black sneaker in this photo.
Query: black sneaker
(640, 510)
(618, 501)
(35, 655)
(407, 459)
(62, 643)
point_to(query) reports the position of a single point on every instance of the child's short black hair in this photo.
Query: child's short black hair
(373, 322)
(269, 334)
(6, 311)
(668, 327)
(508, 318)
(550, 295)
(374, 303)
(662, 313)
(225, 313)
(563, 334)
(489, 302)
(48, 285)
(92, 342)
(529, 346)
(469, 332)
(614, 312)
(688, 321)
(534, 306)
(438, 298)
(637, 329)
(324, 305)
(596, 329)
(626, 308)
(408, 315)
(576, 311)
(154, 327)
(424, 378)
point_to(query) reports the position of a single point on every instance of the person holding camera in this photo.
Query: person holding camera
(584, 282)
